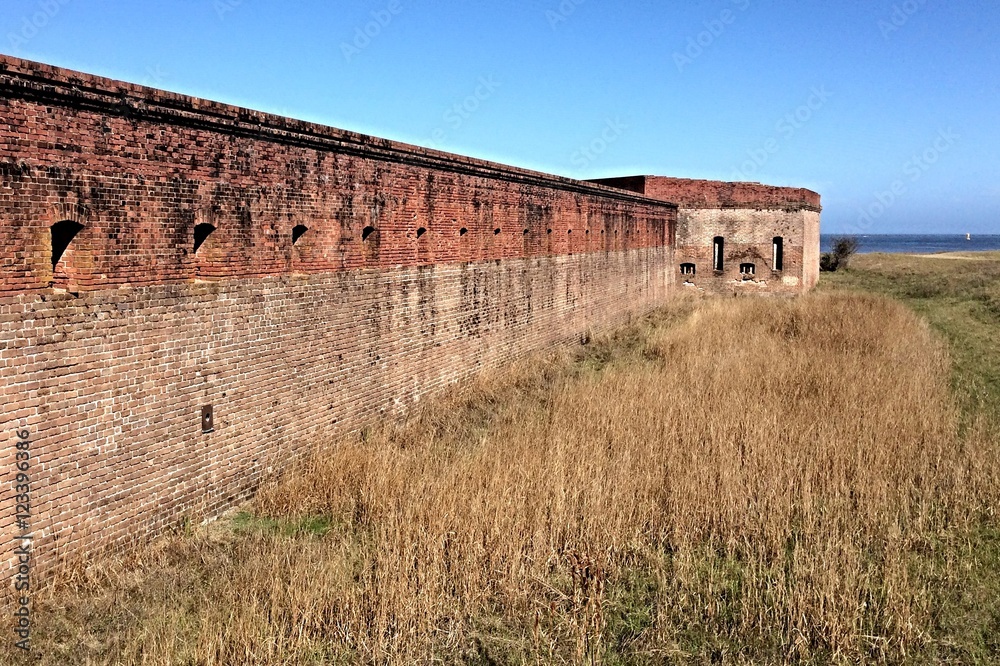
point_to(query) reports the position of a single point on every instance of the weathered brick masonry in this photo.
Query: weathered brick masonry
(338, 277)
(165, 253)
(739, 238)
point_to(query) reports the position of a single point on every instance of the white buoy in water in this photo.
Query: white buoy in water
(968, 236)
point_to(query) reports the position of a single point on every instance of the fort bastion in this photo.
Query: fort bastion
(192, 294)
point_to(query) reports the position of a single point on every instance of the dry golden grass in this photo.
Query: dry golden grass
(732, 481)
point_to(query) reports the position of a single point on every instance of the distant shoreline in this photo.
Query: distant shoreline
(919, 244)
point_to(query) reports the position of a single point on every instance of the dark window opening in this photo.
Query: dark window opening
(201, 234)
(525, 232)
(207, 419)
(779, 253)
(366, 232)
(421, 231)
(687, 269)
(748, 270)
(569, 231)
(718, 253)
(496, 232)
(463, 231)
(297, 232)
(548, 231)
(63, 234)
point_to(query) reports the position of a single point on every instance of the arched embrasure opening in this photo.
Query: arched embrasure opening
(201, 234)
(63, 234)
(298, 232)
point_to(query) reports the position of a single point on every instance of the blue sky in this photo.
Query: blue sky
(888, 108)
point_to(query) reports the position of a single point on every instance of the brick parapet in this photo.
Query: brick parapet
(141, 168)
(706, 194)
(48, 84)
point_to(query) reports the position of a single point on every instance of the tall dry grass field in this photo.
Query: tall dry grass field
(729, 481)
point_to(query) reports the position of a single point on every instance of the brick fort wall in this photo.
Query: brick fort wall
(164, 253)
(768, 236)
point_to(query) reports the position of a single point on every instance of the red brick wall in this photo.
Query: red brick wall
(689, 193)
(108, 358)
(141, 168)
(748, 235)
(747, 216)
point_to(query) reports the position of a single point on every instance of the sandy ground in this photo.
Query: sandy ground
(965, 256)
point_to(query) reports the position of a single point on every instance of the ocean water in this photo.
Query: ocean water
(917, 244)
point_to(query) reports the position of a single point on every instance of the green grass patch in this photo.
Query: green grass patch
(246, 522)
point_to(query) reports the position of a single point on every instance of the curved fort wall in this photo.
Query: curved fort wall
(337, 278)
(739, 238)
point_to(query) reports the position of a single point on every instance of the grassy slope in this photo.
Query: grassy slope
(671, 503)
(959, 294)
